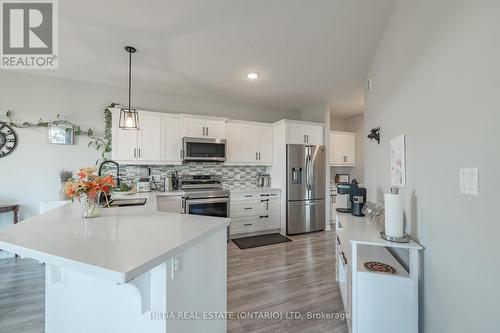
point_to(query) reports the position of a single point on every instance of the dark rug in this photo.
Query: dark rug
(261, 240)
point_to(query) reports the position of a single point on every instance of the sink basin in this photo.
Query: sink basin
(127, 202)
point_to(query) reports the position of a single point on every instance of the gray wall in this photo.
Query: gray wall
(30, 174)
(436, 79)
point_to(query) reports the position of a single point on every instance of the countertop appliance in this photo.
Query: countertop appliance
(305, 189)
(143, 185)
(344, 196)
(171, 182)
(208, 150)
(264, 180)
(205, 196)
(358, 201)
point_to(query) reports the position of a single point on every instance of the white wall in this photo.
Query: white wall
(436, 78)
(30, 173)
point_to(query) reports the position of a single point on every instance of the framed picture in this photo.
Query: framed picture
(398, 161)
(61, 133)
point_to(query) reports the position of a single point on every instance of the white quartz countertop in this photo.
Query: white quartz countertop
(361, 230)
(252, 188)
(120, 245)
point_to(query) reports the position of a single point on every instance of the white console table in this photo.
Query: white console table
(377, 302)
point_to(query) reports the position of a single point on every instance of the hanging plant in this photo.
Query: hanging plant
(100, 144)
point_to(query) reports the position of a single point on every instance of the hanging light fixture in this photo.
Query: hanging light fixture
(129, 118)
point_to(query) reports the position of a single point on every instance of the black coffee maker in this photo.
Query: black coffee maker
(358, 199)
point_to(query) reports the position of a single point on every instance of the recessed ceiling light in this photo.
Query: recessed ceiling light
(253, 76)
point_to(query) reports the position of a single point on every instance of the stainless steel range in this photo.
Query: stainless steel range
(205, 196)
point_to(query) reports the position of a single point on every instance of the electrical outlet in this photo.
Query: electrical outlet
(469, 181)
(176, 266)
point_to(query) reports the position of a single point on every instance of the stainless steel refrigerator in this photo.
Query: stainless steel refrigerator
(305, 190)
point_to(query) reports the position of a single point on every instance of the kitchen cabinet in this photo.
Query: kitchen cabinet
(358, 242)
(157, 141)
(249, 143)
(208, 128)
(343, 148)
(136, 145)
(148, 145)
(171, 139)
(170, 204)
(305, 133)
(256, 211)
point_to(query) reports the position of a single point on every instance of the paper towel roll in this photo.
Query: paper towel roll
(394, 215)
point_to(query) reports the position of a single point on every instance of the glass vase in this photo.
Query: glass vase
(92, 208)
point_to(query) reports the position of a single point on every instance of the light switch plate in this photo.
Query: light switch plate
(469, 181)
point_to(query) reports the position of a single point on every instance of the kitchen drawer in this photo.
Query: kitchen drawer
(242, 196)
(252, 208)
(251, 224)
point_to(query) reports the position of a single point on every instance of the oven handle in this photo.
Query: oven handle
(202, 201)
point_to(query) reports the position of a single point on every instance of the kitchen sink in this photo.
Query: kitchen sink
(126, 202)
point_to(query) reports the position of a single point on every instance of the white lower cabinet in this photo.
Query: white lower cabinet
(377, 302)
(254, 211)
(170, 204)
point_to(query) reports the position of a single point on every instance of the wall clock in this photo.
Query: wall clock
(8, 139)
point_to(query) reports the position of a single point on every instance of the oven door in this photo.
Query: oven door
(196, 149)
(217, 207)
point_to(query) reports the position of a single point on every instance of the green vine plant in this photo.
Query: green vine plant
(100, 144)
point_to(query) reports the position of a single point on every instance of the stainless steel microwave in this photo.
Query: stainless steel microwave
(198, 149)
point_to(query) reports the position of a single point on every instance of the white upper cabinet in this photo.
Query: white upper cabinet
(148, 145)
(124, 142)
(342, 148)
(203, 128)
(249, 143)
(304, 133)
(171, 139)
(158, 139)
(265, 145)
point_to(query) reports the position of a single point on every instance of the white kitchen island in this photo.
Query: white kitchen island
(131, 270)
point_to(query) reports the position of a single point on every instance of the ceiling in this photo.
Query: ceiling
(307, 51)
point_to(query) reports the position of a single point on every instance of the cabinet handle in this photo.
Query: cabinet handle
(264, 200)
(256, 156)
(248, 195)
(135, 152)
(207, 131)
(305, 138)
(263, 216)
(139, 152)
(248, 208)
(259, 157)
(248, 224)
(264, 195)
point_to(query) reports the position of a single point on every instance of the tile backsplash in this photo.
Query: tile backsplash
(231, 175)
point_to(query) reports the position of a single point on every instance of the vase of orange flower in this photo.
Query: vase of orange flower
(89, 186)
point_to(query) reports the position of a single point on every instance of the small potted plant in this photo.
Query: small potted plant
(64, 176)
(89, 186)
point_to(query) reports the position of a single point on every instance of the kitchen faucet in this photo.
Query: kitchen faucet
(117, 170)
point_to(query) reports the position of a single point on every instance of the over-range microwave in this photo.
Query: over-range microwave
(198, 149)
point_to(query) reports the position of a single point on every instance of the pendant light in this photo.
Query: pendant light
(129, 118)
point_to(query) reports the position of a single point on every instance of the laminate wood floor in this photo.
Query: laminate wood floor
(294, 277)
(298, 276)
